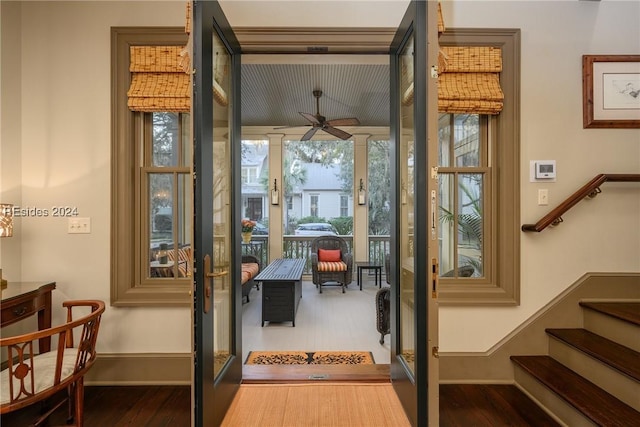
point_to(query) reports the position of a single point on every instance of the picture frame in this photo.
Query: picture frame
(611, 91)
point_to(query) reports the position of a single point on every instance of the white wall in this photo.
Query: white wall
(62, 139)
(10, 130)
(600, 235)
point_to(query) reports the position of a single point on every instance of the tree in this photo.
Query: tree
(379, 191)
(379, 181)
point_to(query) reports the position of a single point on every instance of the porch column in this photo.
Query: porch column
(275, 211)
(360, 212)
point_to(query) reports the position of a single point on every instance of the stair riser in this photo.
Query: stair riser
(622, 387)
(614, 329)
(549, 400)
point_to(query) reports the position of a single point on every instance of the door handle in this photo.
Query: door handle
(208, 276)
(207, 283)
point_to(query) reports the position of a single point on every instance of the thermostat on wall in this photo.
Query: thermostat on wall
(543, 170)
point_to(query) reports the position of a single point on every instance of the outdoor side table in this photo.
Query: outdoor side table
(377, 270)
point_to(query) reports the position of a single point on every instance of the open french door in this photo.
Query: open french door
(216, 130)
(414, 242)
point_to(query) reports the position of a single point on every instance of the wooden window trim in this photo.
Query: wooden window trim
(126, 287)
(504, 286)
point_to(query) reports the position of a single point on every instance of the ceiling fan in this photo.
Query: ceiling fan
(319, 122)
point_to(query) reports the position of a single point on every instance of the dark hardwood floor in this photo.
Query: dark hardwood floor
(135, 406)
(461, 405)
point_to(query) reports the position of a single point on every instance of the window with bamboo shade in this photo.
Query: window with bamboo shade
(470, 80)
(158, 82)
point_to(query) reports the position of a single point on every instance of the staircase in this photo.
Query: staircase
(591, 375)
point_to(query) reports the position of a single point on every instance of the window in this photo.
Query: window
(463, 172)
(249, 175)
(151, 190)
(164, 181)
(289, 203)
(344, 205)
(479, 184)
(313, 205)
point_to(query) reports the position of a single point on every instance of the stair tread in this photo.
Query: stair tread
(617, 356)
(599, 406)
(627, 311)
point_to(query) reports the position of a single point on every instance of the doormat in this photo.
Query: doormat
(309, 358)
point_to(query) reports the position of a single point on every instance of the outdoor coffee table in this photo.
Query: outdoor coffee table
(281, 290)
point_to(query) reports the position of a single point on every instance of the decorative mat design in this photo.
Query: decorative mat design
(309, 358)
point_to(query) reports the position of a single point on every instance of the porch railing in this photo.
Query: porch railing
(300, 247)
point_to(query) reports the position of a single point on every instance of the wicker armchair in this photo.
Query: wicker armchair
(337, 268)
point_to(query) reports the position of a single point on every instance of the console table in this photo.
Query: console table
(281, 290)
(21, 300)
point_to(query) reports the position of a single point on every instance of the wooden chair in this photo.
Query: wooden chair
(331, 261)
(32, 377)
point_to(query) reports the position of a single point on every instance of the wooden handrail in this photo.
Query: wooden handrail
(590, 189)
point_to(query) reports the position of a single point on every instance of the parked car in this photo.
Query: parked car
(316, 229)
(260, 229)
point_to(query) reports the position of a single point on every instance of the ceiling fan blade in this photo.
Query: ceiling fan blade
(337, 132)
(307, 136)
(289, 127)
(313, 119)
(347, 121)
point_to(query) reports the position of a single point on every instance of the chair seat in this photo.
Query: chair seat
(332, 266)
(44, 365)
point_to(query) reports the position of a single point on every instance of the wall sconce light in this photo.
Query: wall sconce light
(275, 194)
(6, 220)
(361, 194)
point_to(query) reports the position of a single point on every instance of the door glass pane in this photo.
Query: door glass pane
(407, 209)
(222, 262)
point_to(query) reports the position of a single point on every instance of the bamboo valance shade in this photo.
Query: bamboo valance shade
(158, 82)
(470, 80)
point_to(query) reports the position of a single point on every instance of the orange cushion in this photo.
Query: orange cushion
(249, 270)
(329, 255)
(332, 266)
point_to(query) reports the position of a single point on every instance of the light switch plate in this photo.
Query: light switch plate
(543, 197)
(79, 225)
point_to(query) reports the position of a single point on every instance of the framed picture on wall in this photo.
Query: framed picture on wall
(611, 91)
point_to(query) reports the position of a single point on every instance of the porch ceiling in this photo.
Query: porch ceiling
(273, 94)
